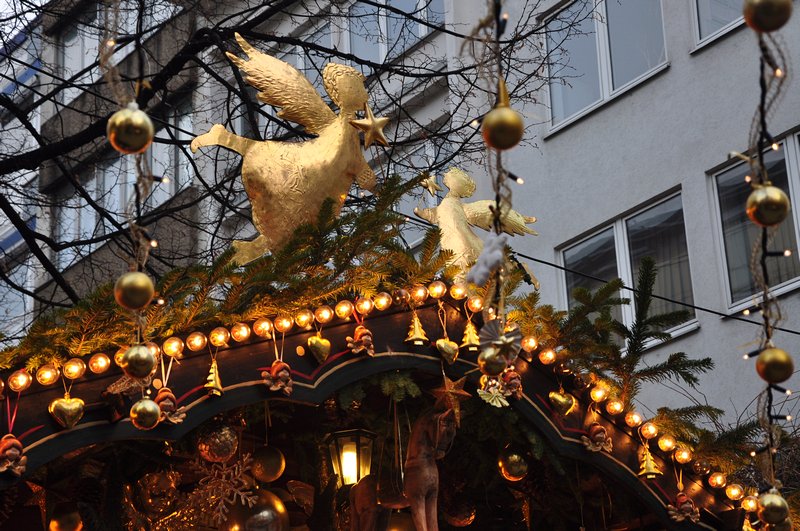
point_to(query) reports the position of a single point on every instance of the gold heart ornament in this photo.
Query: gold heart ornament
(67, 411)
(448, 349)
(563, 403)
(319, 347)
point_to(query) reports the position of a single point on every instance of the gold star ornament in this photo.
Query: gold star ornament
(451, 394)
(431, 185)
(372, 127)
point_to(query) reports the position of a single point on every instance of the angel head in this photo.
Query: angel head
(345, 86)
(459, 183)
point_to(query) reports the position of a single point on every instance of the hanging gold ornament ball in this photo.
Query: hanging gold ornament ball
(268, 514)
(218, 445)
(502, 127)
(767, 206)
(512, 464)
(137, 361)
(491, 362)
(767, 15)
(145, 414)
(400, 521)
(130, 130)
(134, 290)
(774, 365)
(268, 464)
(772, 508)
(786, 525)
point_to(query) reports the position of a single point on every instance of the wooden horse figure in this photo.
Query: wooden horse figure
(431, 438)
(364, 509)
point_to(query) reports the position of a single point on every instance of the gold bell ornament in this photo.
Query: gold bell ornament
(767, 15)
(502, 127)
(416, 334)
(767, 205)
(213, 383)
(130, 130)
(647, 465)
(134, 290)
(470, 341)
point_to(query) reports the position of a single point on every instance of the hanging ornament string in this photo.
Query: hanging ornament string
(12, 416)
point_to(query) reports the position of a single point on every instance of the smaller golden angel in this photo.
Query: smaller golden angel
(455, 219)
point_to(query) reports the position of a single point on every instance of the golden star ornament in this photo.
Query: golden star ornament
(372, 127)
(431, 185)
(451, 394)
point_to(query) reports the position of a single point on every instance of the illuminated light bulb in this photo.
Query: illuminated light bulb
(475, 124)
(746, 312)
(748, 179)
(196, 341)
(614, 406)
(343, 309)
(419, 294)
(161, 301)
(283, 323)
(382, 301)
(717, 480)
(111, 43)
(74, 368)
(154, 349)
(304, 318)
(775, 146)
(173, 347)
(99, 363)
(750, 504)
(349, 463)
(47, 374)
(458, 291)
(547, 356)
(778, 72)
(240, 332)
(153, 243)
(648, 430)
(734, 491)
(324, 314)
(633, 419)
(599, 393)
(219, 336)
(787, 253)
(529, 344)
(683, 455)
(19, 380)
(475, 304)
(437, 289)
(263, 327)
(364, 305)
(666, 443)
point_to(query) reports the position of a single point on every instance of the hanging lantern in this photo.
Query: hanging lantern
(99, 363)
(351, 454)
(219, 337)
(47, 374)
(240, 332)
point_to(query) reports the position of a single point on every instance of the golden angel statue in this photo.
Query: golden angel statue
(287, 182)
(455, 219)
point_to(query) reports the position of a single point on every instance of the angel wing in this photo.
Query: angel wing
(480, 215)
(281, 85)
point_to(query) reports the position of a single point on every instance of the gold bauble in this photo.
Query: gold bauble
(774, 365)
(134, 290)
(767, 206)
(491, 362)
(218, 445)
(767, 15)
(786, 525)
(502, 127)
(130, 130)
(512, 464)
(145, 414)
(268, 464)
(137, 361)
(268, 514)
(400, 521)
(772, 508)
(70, 521)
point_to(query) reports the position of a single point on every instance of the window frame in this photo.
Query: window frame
(605, 75)
(625, 271)
(701, 42)
(791, 149)
(85, 24)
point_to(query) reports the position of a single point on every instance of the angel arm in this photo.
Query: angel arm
(479, 214)
(282, 85)
(428, 214)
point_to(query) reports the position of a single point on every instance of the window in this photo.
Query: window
(14, 262)
(314, 61)
(596, 54)
(739, 233)
(171, 160)
(617, 251)
(78, 48)
(379, 33)
(715, 17)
